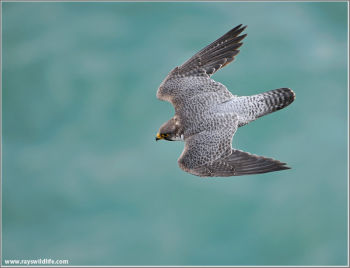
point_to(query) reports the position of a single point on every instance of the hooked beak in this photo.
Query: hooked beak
(158, 137)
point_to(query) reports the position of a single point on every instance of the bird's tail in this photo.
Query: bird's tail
(261, 104)
(277, 99)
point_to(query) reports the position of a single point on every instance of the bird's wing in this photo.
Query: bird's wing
(191, 77)
(236, 164)
(210, 154)
(209, 145)
(214, 56)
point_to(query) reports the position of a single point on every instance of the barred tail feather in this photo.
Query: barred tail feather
(278, 99)
(259, 105)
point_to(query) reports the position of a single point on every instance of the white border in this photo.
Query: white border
(200, 1)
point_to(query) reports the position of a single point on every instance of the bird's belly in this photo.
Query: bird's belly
(228, 107)
(208, 119)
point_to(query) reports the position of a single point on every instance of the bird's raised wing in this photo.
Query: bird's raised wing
(214, 56)
(193, 77)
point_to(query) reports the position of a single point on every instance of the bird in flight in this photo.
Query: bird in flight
(207, 114)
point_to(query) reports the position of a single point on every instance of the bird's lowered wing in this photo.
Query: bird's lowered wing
(209, 145)
(210, 154)
(203, 148)
(238, 163)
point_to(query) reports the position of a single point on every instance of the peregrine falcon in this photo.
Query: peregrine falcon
(207, 115)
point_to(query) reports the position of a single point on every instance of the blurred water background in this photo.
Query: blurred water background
(83, 178)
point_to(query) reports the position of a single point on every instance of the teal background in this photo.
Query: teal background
(83, 178)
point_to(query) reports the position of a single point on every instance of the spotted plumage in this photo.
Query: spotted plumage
(207, 115)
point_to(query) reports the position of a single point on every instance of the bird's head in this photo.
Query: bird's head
(169, 131)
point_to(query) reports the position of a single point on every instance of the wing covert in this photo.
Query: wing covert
(209, 145)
